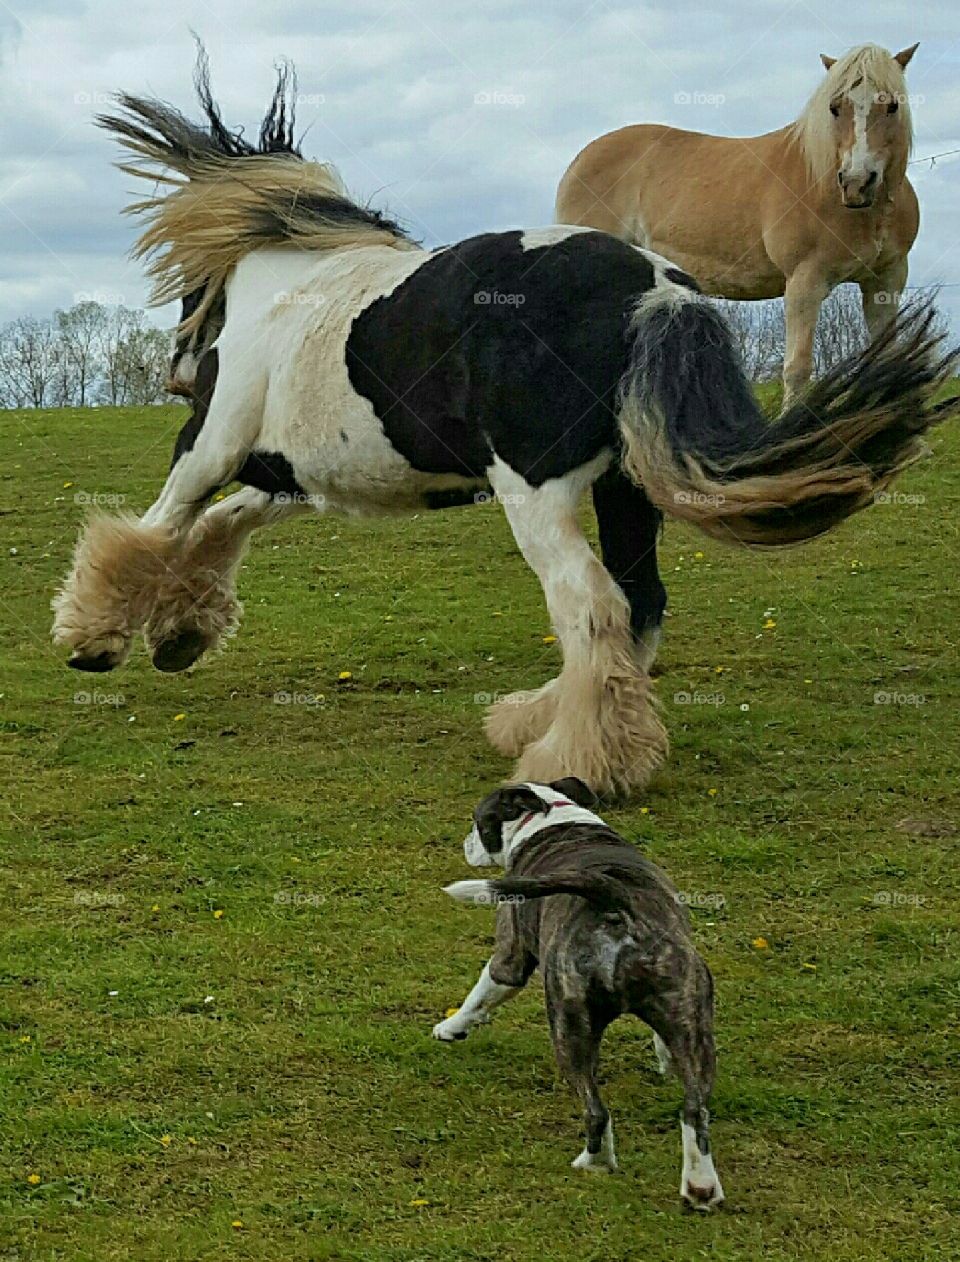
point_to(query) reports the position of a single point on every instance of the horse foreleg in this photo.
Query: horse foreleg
(121, 562)
(805, 291)
(604, 727)
(881, 296)
(195, 606)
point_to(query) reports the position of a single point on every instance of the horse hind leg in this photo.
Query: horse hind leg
(604, 727)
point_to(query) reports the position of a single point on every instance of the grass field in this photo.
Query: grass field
(225, 940)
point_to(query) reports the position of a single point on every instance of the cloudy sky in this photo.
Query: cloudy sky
(457, 115)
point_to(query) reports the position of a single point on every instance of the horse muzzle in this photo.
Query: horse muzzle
(858, 193)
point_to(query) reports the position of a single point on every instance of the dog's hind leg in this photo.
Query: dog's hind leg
(120, 562)
(685, 1025)
(604, 726)
(576, 1034)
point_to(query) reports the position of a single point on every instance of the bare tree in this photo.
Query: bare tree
(29, 363)
(81, 332)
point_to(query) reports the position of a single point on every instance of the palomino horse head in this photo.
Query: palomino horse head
(856, 128)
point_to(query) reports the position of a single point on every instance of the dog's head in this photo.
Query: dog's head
(502, 814)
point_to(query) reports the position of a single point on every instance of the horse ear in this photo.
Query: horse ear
(827, 61)
(905, 55)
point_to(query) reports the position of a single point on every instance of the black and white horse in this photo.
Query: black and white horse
(335, 365)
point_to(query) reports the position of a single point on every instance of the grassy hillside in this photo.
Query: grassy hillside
(224, 941)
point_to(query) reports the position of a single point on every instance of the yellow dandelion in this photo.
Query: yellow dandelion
(178, 718)
(812, 967)
(419, 1200)
(769, 624)
(33, 1178)
(549, 639)
(760, 943)
(155, 907)
(237, 1224)
(218, 914)
(166, 1140)
(67, 485)
(712, 792)
(718, 670)
(644, 810)
(218, 497)
(451, 1012)
(698, 556)
(24, 1038)
(345, 674)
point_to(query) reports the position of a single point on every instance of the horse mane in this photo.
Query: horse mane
(221, 197)
(812, 128)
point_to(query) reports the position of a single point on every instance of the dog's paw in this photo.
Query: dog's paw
(595, 1163)
(702, 1197)
(449, 1031)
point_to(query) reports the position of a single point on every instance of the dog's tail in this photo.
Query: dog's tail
(604, 890)
(696, 440)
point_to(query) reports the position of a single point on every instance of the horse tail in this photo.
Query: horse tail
(217, 197)
(695, 438)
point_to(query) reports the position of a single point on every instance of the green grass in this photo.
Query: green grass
(306, 1099)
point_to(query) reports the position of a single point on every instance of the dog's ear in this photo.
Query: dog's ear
(503, 807)
(518, 799)
(577, 791)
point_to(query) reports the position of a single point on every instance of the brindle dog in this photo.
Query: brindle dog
(610, 935)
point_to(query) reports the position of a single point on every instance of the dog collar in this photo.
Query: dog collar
(549, 805)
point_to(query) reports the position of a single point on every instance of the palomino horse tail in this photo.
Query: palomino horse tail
(695, 438)
(217, 197)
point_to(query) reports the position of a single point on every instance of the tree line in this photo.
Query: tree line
(88, 355)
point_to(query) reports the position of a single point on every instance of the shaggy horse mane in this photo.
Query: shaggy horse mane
(218, 197)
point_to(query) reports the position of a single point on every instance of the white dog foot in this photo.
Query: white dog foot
(602, 1162)
(699, 1183)
(450, 1031)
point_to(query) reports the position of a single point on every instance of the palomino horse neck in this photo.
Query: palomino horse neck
(789, 213)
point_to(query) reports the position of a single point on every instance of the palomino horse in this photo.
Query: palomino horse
(335, 365)
(793, 212)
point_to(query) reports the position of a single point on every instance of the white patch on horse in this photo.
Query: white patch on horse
(537, 238)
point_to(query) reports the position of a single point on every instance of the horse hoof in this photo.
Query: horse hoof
(181, 651)
(98, 664)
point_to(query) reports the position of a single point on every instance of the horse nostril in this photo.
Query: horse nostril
(840, 178)
(871, 179)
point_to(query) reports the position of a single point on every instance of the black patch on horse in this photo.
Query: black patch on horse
(202, 393)
(270, 471)
(489, 348)
(680, 277)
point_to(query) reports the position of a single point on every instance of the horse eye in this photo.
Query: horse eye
(893, 107)
(835, 111)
